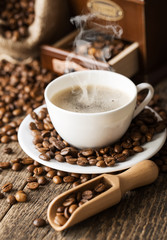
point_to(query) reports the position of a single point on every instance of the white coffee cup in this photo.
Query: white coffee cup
(93, 130)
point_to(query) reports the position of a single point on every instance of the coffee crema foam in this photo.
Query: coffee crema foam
(90, 99)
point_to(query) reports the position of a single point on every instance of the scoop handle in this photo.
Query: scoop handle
(141, 174)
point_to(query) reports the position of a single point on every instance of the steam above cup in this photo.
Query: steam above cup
(98, 129)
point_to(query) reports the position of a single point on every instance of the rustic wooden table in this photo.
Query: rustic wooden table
(141, 214)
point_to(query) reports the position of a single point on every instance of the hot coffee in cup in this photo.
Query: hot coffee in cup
(93, 108)
(89, 99)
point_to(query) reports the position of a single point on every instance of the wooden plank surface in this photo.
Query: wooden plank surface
(141, 214)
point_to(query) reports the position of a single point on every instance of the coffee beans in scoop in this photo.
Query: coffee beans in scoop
(75, 200)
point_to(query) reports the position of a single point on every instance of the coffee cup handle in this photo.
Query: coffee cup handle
(147, 99)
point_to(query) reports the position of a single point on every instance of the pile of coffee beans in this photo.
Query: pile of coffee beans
(50, 145)
(16, 17)
(99, 45)
(21, 91)
(75, 200)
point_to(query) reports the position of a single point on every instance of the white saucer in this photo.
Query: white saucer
(25, 140)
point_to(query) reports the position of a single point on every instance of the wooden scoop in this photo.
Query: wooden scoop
(141, 174)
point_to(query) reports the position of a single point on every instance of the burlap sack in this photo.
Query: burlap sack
(52, 21)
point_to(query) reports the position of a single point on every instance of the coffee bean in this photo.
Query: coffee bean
(120, 157)
(69, 151)
(38, 171)
(42, 180)
(127, 144)
(17, 167)
(31, 168)
(69, 201)
(68, 179)
(60, 209)
(117, 148)
(149, 136)
(51, 174)
(138, 149)
(8, 150)
(34, 115)
(11, 199)
(100, 188)
(5, 128)
(13, 138)
(57, 180)
(75, 175)
(87, 152)
(21, 196)
(44, 157)
(39, 222)
(143, 129)
(37, 164)
(59, 158)
(92, 161)
(59, 144)
(100, 158)
(126, 152)
(5, 139)
(7, 187)
(42, 115)
(5, 165)
(160, 127)
(66, 213)
(1, 195)
(31, 179)
(82, 161)
(33, 185)
(47, 169)
(87, 194)
(104, 150)
(84, 177)
(71, 160)
(60, 220)
(101, 163)
(78, 196)
(61, 173)
(72, 208)
(16, 160)
(27, 161)
(136, 136)
(109, 161)
(37, 139)
(32, 126)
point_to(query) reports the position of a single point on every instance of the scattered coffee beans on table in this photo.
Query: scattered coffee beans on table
(39, 222)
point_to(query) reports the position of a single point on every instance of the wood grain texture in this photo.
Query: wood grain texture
(141, 214)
